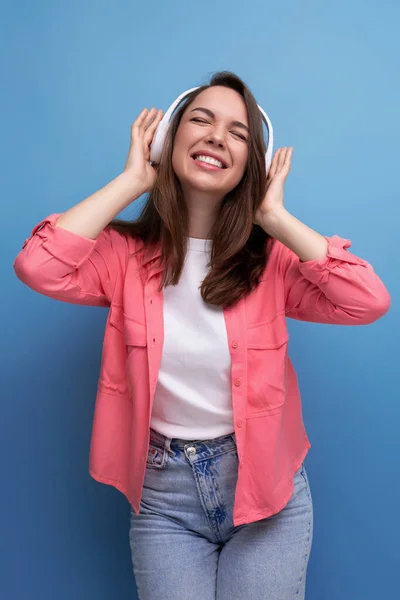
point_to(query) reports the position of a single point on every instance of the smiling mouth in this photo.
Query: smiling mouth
(209, 161)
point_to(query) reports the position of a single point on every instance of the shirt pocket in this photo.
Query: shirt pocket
(135, 338)
(112, 374)
(127, 355)
(267, 354)
(135, 333)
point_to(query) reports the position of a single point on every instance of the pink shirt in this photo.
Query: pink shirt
(271, 439)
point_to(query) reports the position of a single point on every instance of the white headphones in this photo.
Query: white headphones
(162, 130)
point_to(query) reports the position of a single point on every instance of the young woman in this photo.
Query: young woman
(198, 417)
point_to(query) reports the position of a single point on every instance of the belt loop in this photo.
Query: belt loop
(168, 446)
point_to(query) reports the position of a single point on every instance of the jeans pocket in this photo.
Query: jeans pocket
(156, 457)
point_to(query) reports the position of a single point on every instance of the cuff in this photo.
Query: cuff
(317, 271)
(70, 248)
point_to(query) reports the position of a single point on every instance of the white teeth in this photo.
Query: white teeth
(211, 161)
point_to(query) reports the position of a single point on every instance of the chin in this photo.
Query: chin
(206, 187)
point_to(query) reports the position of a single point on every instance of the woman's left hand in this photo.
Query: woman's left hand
(273, 199)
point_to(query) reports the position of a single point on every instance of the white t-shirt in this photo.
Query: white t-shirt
(193, 399)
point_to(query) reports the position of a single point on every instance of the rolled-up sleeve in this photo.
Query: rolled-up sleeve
(65, 266)
(341, 289)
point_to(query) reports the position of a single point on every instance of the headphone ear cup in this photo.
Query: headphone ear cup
(270, 145)
(267, 163)
(157, 143)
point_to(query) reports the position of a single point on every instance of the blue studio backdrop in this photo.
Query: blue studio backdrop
(74, 77)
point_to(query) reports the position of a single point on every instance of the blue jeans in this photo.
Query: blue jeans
(184, 544)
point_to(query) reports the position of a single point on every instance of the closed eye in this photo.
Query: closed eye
(239, 135)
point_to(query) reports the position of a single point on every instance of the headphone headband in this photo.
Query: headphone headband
(162, 130)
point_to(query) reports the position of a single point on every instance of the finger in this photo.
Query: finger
(140, 119)
(281, 160)
(289, 158)
(143, 120)
(287, 163)
(149, 118)
(274, 164)
(153, 126)
(279, 156)
(149, 127)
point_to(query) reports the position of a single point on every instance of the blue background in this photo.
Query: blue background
(74, 77)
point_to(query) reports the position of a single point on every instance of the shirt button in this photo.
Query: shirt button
(237, 382)
(235, 344)
(239, 423)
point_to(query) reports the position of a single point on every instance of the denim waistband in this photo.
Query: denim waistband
(161, 441)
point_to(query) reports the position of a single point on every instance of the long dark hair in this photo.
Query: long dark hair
(240, 250)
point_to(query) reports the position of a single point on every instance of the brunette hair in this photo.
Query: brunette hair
(240, 250)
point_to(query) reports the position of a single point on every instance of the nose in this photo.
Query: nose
(217, 138)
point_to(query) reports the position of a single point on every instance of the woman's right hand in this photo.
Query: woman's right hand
(138, 161)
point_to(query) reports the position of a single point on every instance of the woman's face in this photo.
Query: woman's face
(211, 145)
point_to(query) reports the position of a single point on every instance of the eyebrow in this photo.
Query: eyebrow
(210, 113)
